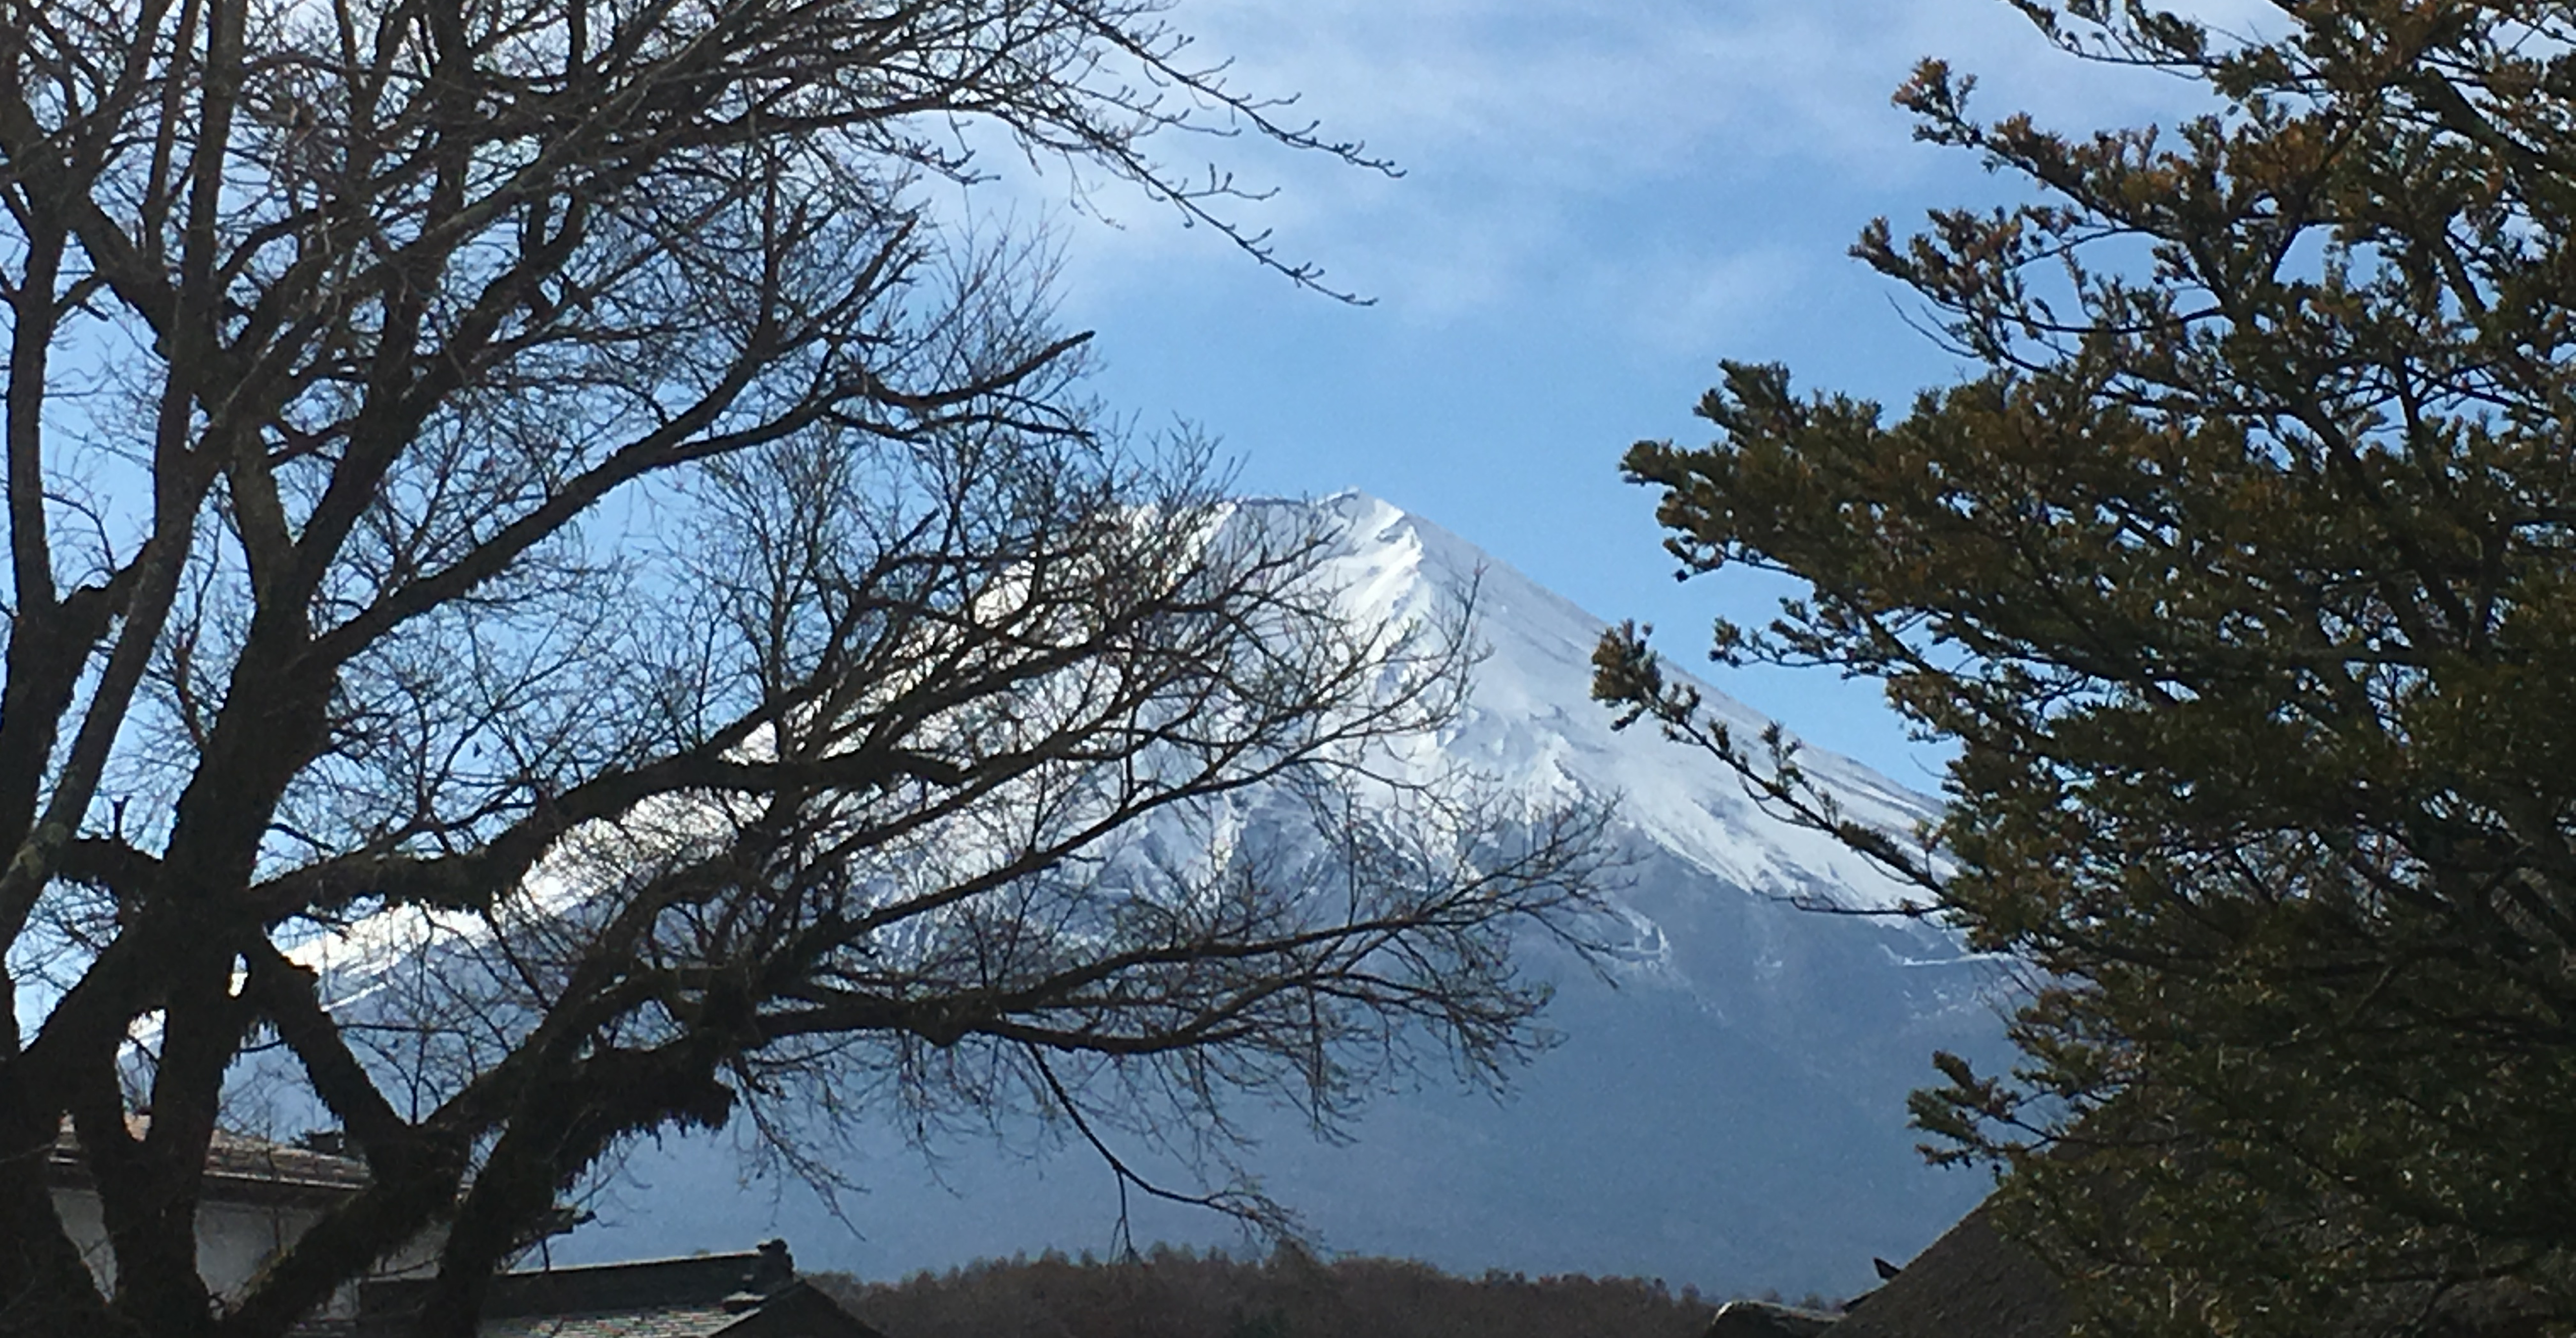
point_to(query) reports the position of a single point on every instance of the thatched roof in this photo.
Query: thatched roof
(1971, 1283)
(1975, 1283)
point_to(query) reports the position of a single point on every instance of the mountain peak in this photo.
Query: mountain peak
(1532, 722)
(1728, 1103)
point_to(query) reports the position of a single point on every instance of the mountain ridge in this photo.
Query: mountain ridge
(1539, 666)
(1727, 1107)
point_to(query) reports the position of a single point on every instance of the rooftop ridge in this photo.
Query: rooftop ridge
(239, 1166)
(695, 1282)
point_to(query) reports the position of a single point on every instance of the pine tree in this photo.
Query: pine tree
(2242, 572)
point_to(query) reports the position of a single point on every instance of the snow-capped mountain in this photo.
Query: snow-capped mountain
(1532, 721)
(1726, 1110)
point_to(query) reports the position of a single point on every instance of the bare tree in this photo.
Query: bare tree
(551, 588)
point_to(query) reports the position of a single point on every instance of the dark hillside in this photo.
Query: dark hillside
(1181, 1294)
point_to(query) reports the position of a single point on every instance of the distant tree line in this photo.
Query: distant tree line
(1179, 1293)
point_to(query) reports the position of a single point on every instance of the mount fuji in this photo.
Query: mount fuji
(1726, 1108)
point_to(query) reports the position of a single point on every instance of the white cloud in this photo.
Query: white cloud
(1521, 123)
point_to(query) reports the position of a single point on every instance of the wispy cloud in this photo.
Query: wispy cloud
(1540, 137)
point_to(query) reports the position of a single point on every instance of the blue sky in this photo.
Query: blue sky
(1600, 200)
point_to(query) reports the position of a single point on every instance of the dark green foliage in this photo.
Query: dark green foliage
(2243, 574)
(1177, 1293)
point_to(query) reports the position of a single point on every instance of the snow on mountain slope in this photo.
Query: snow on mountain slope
(1532, 720)
(1727, 1109)
(1727, 1106)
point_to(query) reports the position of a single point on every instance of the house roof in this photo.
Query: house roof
(1764, 1319)
(1975, 1282)
(240, 1168)
(1971, 1283)
(752, 1294)
(703, 1280)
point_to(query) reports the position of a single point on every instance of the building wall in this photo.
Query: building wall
(233, 1241)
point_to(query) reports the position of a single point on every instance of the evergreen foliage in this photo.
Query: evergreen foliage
(2240, 573)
